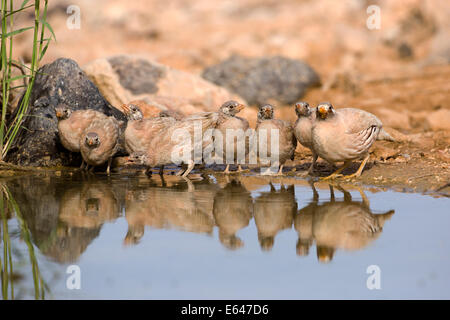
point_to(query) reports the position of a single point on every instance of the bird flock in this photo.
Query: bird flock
(335, 135)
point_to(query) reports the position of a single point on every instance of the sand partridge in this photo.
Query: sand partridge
(71, 125)
(303, 127)
(177, 143)
(235, 127)
(344, 135)
(140, 131)
(268, 129)
(99, 142)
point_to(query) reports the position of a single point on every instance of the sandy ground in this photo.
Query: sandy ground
(399, 72)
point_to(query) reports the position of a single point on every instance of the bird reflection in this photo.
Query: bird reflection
(177, 203)
(88, 205)
(346, 224)
(274, 211)
(232, 212)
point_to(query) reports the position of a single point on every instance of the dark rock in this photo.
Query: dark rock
(61, 81)
(136, 74)
(405, 51)
(259, 80)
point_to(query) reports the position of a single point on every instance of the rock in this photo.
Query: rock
(439, 120)
(104, 77)
(125, 78)
(397, 135)
(261, 80)
(393, 119)
(381, 152)
(61, 81)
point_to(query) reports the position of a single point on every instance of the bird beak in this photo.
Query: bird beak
(322, 112)
(58, 114)
(240, 107)
(267, 112)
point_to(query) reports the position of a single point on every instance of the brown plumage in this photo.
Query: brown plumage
(71, 125)
(344, 135)
(172, 140)
(99, 142)
(287, 141)
(303, 128)
(228, 121)
(140, 131)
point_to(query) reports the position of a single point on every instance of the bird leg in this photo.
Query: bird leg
(148, 171)
(180, 172)
(82, 164)
(227, 169)
(360, 169)
(161, 170)
(337, 173)
(191, 165)
(190, 185)
(108, 168)
(311, 168)
(365, 200)
(280, 171)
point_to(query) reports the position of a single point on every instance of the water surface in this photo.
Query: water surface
(218, 237)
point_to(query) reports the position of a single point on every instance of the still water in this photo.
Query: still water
(217, 237)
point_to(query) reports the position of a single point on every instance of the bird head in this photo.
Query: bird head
(92, 140)
(231, 108)
(324, 254)
(139, 158)
(266, 242)
(302, 109)
(265, 112)
(62, 112)
(324, 110)
(303, 248)
(133, 112)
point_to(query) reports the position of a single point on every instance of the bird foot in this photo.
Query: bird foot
(331, 177)
(353, 175)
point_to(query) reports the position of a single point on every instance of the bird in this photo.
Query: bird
(140, 131)
(99, 142)
(171, 114)
(303, 126)
(264, 133)
(71, 125)
(344, 135)
(228, 123)
(177, 139)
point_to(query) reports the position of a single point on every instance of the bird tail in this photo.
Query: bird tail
(208, 119)
(382, 218)
(383, 135)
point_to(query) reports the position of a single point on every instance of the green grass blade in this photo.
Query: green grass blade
(13, 33)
